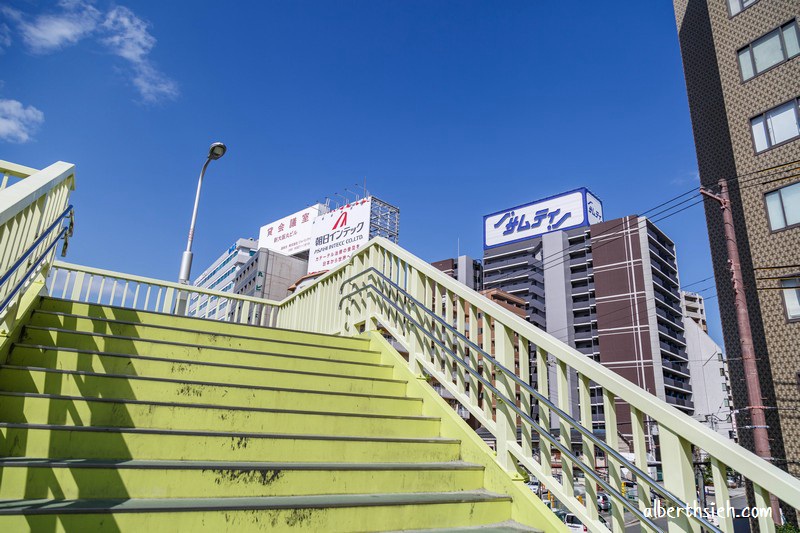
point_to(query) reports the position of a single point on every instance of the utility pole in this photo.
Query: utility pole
(755, 399)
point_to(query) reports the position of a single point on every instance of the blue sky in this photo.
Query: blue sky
(450, 109)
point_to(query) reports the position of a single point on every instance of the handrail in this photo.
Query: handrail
(403, 285)
(540, 430)
(30, 212)
(162, 283)
(640, 474)
(13, 169)
(65, 232)
(125, 291)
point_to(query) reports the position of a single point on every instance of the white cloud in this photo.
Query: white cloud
(17, 122)
(153, 85)
(128, 37)
(120, 30)
(52, 31)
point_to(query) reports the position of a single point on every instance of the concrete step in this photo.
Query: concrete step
(143, 364)
(503, 527)
(103, 412)
(38, 478)
(334, 513)
(93, 385)
(73, 442)
(266, 377)
(218, 347)
(131, 316)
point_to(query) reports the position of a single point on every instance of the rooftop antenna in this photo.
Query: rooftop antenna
(346, 201)
(353, 193)
(364, 186)
(458, 247)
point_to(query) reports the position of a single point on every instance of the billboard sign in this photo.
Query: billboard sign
(565, 211)
(339, 234)
(290, 235)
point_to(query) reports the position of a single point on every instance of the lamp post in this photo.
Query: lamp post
(215, 151)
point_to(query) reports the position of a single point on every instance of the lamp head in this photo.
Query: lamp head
(216, 151)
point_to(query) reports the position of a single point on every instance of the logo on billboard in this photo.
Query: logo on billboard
(338, 234)
(566, 211)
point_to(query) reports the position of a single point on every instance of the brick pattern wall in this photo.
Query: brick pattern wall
(721, 107)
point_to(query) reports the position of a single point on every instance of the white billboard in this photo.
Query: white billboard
(565, 211)
(338, 235)
(290, 235)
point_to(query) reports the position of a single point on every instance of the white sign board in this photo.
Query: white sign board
(558, 213)
(290, 235)
(338, 235)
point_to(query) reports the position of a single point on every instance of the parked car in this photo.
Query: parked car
(574, 524)
(603, 502)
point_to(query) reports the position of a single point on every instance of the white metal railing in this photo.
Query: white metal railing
(32, 216)
(94, 285)
(478, 351)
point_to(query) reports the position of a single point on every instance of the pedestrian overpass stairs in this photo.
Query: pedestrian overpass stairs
(118, 412)
(113, 419)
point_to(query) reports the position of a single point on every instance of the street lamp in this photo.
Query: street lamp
(216, 151)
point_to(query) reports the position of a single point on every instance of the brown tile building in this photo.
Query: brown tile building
(742, 67)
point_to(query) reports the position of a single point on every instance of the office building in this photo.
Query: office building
(465, 269)
(741, 62)
(220, 277)
(268, 275)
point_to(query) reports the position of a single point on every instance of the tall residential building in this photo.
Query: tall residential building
(611, 290)
(694, 307)
(741, 61)
(220, 276)
(708, 368)
(464, 269)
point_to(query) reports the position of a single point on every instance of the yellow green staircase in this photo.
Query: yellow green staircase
(119, 420)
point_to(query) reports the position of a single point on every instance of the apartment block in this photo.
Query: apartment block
(741, 62)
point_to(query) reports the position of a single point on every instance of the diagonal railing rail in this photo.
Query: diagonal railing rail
(478, 351)
(32, 214)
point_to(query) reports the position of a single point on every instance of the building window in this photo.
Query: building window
(776, 126)
(772, 49)
(791, 296)
(736, 6)
(783, 207)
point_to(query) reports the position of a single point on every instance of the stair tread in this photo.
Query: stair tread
(235, 434)
(208, 383)
(30, 462)
(502, 527)
(211, 406)
(233, 350)
(84, 506)
(199, 332)
(199, 321)
(196, 362)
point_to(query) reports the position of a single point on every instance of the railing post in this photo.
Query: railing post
(676, 456)
(543, 387)
(640, 451)
(567, 469)
(612, 465)
(719, 475)
(523, 355)
(506, 416)
(585, 401)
